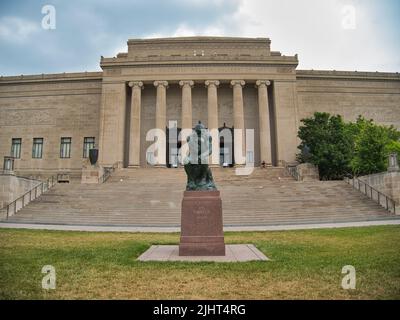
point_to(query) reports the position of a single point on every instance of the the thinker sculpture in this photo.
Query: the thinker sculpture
(199, 176)
(201, 221)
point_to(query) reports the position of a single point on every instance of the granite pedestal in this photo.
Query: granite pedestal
(201, 224)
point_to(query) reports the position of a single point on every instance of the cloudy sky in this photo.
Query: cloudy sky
(327, 34)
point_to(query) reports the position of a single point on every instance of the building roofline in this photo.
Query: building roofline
(357, 75)
(197, 39)
(66, 76)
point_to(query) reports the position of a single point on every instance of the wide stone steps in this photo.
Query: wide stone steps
(152, 197)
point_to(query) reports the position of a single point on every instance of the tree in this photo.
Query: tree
(342, 149)
(372, 145)
(393, 146)
(330, 145)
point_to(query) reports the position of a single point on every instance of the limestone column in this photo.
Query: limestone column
(187, 122)
(238, 121)
(161, 104)
(263, 115)
(212, 108)
(134, 133)
(161, 115)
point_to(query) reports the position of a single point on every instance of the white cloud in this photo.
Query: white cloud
(14, 29)
(312, 28)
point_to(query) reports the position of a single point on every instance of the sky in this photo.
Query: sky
(361, 35)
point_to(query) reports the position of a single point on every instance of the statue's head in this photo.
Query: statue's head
(199, 128)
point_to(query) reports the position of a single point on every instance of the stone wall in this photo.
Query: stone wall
(373, 95)
(386, 182)
(307, 172)
(12, 187)
(49, 107)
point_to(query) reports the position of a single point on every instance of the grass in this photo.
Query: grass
(305, 265)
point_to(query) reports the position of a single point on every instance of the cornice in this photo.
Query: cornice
(346, 75)
(198, 39)
(57, 77)
(160, 60)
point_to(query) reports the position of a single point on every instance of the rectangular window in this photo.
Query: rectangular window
(37, 148)
(88, 143)
(16, 147)
(65, 148)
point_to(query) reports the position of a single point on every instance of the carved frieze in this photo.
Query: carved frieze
(27, 117)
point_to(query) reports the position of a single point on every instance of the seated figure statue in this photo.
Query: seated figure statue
(199, 176)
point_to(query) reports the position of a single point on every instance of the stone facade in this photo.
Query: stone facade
(222, 82)
(49, 107)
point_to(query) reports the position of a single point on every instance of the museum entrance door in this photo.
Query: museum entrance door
(226, 147)
(173, 147)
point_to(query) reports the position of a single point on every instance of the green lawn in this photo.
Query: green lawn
(305, 265)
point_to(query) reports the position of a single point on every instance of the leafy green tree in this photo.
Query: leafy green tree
(342, 149)
(329, 144)
(393, 146)
(372, 145)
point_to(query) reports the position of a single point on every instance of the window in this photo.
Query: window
(65, 148)
(88, 143)
(37, 148)
(16, 147)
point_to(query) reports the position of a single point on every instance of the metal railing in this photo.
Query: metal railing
(107, 172)
(382, 199)
(32, 194)
(291, 169)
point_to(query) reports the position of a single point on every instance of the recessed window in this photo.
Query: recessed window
(16, 147)
(37, 148)
(88, 143)
(65, 148)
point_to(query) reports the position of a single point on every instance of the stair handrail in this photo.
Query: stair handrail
(369, 194)
(44, 186)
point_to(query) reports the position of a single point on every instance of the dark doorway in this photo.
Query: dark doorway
(226, 147)
(173, 147)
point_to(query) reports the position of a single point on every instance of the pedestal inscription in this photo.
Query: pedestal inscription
(201, 224)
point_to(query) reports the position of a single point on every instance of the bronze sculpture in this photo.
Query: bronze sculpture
(199, 176)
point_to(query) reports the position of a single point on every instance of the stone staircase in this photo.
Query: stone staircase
(152, 197)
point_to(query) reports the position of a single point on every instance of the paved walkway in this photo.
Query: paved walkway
(234, 253)
(7, 225)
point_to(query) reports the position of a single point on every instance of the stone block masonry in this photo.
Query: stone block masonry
(225, 82)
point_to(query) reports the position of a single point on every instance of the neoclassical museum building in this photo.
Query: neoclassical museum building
(48, 122)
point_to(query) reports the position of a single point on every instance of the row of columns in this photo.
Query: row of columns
(212, 108)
